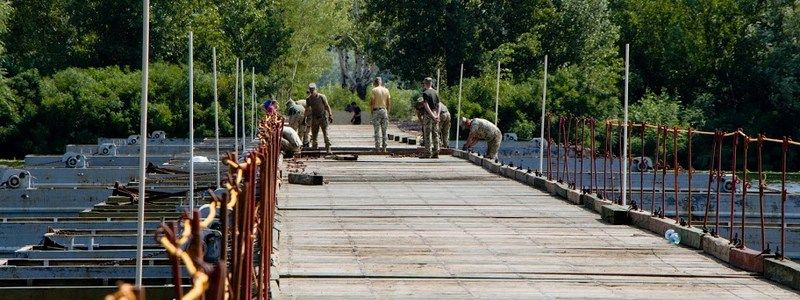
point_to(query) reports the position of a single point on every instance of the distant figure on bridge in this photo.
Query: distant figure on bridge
(430, 132)
(320, 112)
(353, 108)
(270, 106)
(380, 103)
(444, 126)
(296, 116)
(290, 142)
(481, 129)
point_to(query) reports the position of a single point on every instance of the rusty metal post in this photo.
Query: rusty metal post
(558, 148)
(593, 171)
(784, 150)
(733, 185)
(761, 184)
(620, 157)
(549, 151)
(177, 281)
(581, 142)
(711, 171)
(566, 152)
(719, 179)
(656, 153)
(605, 159)
(664, 131)
(689, 170)
(641, 172)
(675, 171)
(745, 144)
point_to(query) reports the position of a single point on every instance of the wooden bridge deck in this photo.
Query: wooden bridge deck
(386, 227)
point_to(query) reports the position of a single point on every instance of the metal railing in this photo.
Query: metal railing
(572, 144)
(246, 222)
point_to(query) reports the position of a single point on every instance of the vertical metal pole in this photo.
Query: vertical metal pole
(625, 129)
(236, 111)
(216, 112)
(143, 135)
(244, 113)
(544, 101)
(458, 118)
(438, 76)
(497, 94)
(191, 121)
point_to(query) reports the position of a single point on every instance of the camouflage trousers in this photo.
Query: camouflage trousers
(316, 125)
(430, 135)
(380, 122)
(298, 122)
(444, 129)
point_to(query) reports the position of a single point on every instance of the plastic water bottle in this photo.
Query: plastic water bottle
(675, 238)
(668, 233)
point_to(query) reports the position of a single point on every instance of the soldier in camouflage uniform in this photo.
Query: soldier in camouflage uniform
(319, 110)
(296, 116)
(444, 125)
(480, 129)
(430, 119)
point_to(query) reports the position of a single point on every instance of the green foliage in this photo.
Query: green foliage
(663, 110)
(54, 35)
(79, 105)
(339, 98)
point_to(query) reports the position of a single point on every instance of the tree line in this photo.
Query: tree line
(711, 64)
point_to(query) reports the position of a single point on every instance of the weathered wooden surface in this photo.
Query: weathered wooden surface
(387, 227)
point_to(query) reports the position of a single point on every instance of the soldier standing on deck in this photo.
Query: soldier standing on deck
(380, 103)
(430, 136)
(320, 112)
(444, 126)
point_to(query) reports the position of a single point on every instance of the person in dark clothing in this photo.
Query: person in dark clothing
(353, 108)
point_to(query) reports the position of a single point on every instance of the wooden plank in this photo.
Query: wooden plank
(389, 227)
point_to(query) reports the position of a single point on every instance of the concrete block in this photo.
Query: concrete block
(521, 175)
(404, 140)
(690, 236)
(561, 190)
(412, 141)
(639, 219)
(716, 247)
(550, 187)
(574, 197)
(540, 183)
(396, 138)
(390, 136)
(747, 259)
(508, 172)
(785, 271)
(593, 203)
(490, 165)
(459, 153)
(614, 214)
(474, 159)
(660, 226)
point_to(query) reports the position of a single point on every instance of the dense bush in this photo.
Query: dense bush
(79, 105)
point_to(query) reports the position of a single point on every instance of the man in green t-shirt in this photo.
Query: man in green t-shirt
(430, 103)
